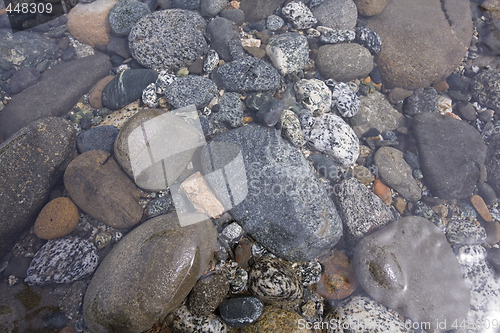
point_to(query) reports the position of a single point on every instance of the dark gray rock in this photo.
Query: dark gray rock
(256, 10)
(118, 46)
(337, 14)
(486, 89)
(211, 8)
(189, 90)
(325, 166)
(57, 91)
(245, 75)
(409, 266)
(451, 153)
(207, 294)
(148, 274)
(467, 111)
(422, 42)
(487, 193)
(127, 87)
(31, 163)
(493, 163)
(269, 116)
(98, 138)
(361, 210)
(125, 14)
(422, 100)
(235, 15)
(344, 62)
(22, 79)
(225, 39)
(185, 4)
(178, 39)
(230, 112)
(241, 311)
(286, 208)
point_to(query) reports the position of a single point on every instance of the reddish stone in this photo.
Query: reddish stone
(481, 208)
(382, 191)
(337, 280)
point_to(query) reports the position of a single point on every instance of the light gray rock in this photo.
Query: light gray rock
(191, 89)
(335, 36)
(211, 61)
(396, 173)
(299, 14)
(345, 100)
(289, 52)
(409, 266)
(314, 95)
(337, 14)
(274, 22)
(184, 321)
(290, 128)
(344, 62)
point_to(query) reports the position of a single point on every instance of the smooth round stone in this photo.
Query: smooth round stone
(370, 7)
(344, 62)
(127, 87)
(290, 128)
(274, 22)
(95, 94)
(274, 320)
(58, 218)
(409, 266)
(337, 14)
(124, 14)
(337, 279)
(235, 15)
(289, 52)
(314, 95)
(97, 138)
(207, 294)
(211, 8)
(241, 311)
(189, 90)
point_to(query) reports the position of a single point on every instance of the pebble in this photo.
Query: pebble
(127, 87)
(396, 173)
(464, 232)
(189, 90)
(95, 94)
(370, 8)
(314, 95)
(481, 208)
(289, 52)
(211, 61)
(275, 319)
(63, 260)
(274, 22)
(492, 232)
(98, 138)
(125, 14)
(397, 95)
(332, 36)
(235, 15)
(241, 311)
(397, 264)
(299, 15)
(270, 115)
(225, 39)
(344, 62)
(309, 273)
(178, 39)
(487, 193)
(256, 10)
(207, 294)
(336, 14)
(382, 191)
(230, 113)
(345, 100)
(369, 39)
(337, 279)
(57, 219)
(422, 100)
(149, 96)
(290, 128)
(182, 320)
(325, 166)
(159, 206)
(237, 277)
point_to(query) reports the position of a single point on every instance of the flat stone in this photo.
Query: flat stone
(57, 91)
(344, 62)
(260, 9)
(451, 153)
(337, 14)
(148, 274)
(98, 187)
(289, 52)
(481, 208)
(31, 163)
(241, 311)
(127, 87)
(292, 221)
(422, 42)
(191, 89)
(408, 266)
(57, 218)
(493, 163)
(225, 39)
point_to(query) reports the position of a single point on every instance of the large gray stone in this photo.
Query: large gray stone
(57, 91)
(409, 266)
(31, 162)
(286, 208)
(148, 274)
(422, 41)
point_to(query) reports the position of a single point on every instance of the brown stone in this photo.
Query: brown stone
(492, 232)
(370, 7)
(400, 204)
(57, 219)
(95, 99)
(274, 320)
(441, 85)
(492, 8)
(257, 52)
(337, 280)
(88, 22)
(243, 253)
(99, 187)
(481, 208)
(382, 191)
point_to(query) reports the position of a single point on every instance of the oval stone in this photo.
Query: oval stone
(57, 219)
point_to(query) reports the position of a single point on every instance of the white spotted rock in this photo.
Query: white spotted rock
(345, 100)
(299, 14)
(288, 52)
(149, 96)
(182, 320)
(211, 61)
(62, 260)
(290, 128)
(334, 36)
(314, 95)
(163, 81)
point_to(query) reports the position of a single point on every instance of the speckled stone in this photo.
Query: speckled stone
(362, 314)
(345, 100)
(275, 320)
(63, 260)
(288, 52)
(337, 279)
(178, 39)
(207, 294)
(241, 311)
(97, 138)
(225, 39)
(486, 89)
(149, 96)
(230, 113)
(333, 36)
(58, 218)
(314, 95)
(299, 14)
(125, 14)
(308, 272)
(464, 232)
(274, 22)
(290, 128)
(182, 320)
(272, 280)
(336, 14)
(191, 89)
(422, 100)
(361, 210)
(211, 61)
(369, 39)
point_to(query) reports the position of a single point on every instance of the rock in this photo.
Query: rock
(163, 128)
(199, 194)
(299, 14)
(422, 43)
(97, 138)
(230, 112)
(362, 212)
(409, 267)
(273, 280)
(289, 52)
(178, 39)
(396, 173)
(211, 61)
(337, 279)
(345, 100)
(275, 319)
(22, 79)
(210, 8)
(422, 100)
(290, 128)
(486, 89)
(331, 135)
(314, 95)
(63, 260)
(274, 22)
(333, 36)
(464, 232)
(325, 166)
(191, 89)
(235, 15)
(451, 153)
(493, 162)
(492, 8)
(487, 193)
(124, 14)
(284, 209)
(337, 14)
(245, 75)
(241, 311)
(138, 265)
(361, 313)
(494, 258)
(481, 208)
(271, 114)
(185, 4)
(382, 191)
(88, 22)
(149, 96)
(118, 46)
(57, 91)
(256, 10)
(370, 7)
(182, 320)
(57, 219)
(344, 62)
(46, 146)
(127, 87)
(225, 39)
(207, 294)
(95, 94)
(97, 185)
(397, 95)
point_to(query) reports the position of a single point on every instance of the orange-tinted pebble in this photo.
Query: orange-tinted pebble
(337, 280)
(243, 253)
(400, 204)
(247, 120)
(441, 85)
(57, 219)
(382, 191)
(481, 208)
